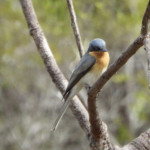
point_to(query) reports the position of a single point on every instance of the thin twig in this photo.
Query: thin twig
(75, 27)
(147, 48)
(146, 17)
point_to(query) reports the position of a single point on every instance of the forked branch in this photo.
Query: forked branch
(97, 128)
(60, 81)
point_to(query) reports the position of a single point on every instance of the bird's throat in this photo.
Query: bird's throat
(102, 60)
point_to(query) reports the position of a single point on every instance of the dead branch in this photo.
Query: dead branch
(75, 28)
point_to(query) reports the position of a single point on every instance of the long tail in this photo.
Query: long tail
(61, 114)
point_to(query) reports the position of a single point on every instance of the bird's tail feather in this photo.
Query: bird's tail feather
(61, 114)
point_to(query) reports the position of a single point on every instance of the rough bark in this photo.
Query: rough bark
(142, 142)
(97, 127)
(44, 50)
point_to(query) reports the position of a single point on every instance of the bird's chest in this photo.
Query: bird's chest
(91, 77)
(102, 61)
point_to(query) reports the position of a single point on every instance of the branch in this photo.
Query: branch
(147, 48)
(97, 128)
(60, 81)
(140, 143)
(75, 28)
(58, 78)
(129, 52)
(145, 20)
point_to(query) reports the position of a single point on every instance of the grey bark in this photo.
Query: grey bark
(100, 142)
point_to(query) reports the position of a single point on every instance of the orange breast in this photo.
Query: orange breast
(102, 60)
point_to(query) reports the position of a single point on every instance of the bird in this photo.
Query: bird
(92, 64)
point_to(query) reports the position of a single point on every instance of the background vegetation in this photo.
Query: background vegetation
(29, 102)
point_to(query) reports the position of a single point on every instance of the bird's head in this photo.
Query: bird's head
(97, 45)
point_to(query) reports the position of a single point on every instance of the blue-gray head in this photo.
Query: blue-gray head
(97, 45)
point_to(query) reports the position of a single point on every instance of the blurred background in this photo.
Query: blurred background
(29, 101)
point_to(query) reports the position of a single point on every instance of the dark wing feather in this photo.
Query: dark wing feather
(83, 67)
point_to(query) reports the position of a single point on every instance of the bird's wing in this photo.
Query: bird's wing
(83, 67)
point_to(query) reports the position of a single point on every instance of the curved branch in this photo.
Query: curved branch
(58, 78)
(129, 52)
(97, 128)
(75, 28)
(60, 81)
